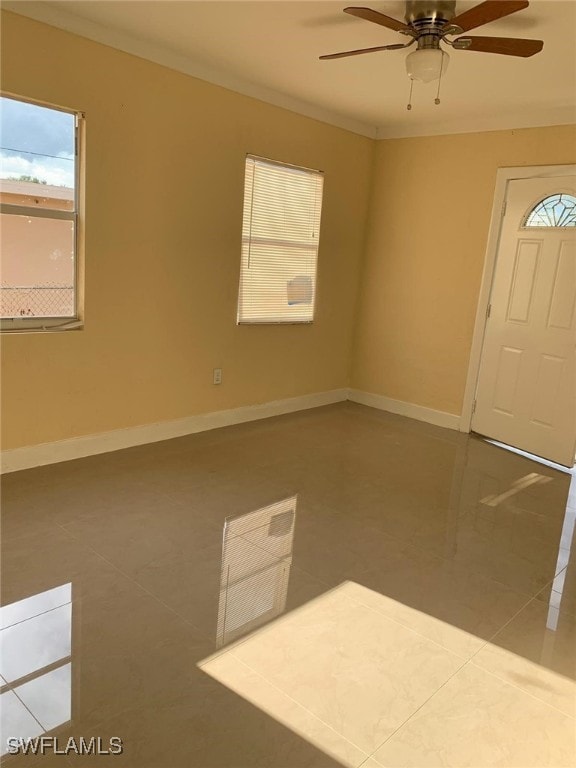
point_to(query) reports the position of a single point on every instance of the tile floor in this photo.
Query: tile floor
(386, 594)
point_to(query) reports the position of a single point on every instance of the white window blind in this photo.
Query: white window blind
(280, 236)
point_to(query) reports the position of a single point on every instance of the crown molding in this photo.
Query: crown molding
(541, 118)
(38, 10)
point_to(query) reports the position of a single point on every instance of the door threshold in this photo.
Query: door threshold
(532, 457)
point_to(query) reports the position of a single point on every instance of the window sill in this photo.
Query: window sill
(52, 325)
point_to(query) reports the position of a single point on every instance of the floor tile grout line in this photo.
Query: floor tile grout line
(481, 669)
(533, 599)
(521, 690)
(483, 576)
(411, 629)
(411, 716)
(484, 641)
(26, 707)
(266, 628)
(144, 589)
(571, 611)
(379, 613)
(298, 703)
(217, 652)
(401, 542)
(36, 615)
(220, 652)
(489, 640)
(271, 625)
(422, 550)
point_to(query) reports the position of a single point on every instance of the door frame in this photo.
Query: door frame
(503, 177)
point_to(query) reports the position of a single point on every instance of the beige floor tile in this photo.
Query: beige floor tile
(478, 721)
(399, 573)
(70, 491)
(536, 651)
(495, 543)
(448, 603)
(356, 670)
(127, 651)
(190, 585)
(142, 534)
(239, 678)
(332, 547)
(460, 642)
(206, 726)
(39, 561)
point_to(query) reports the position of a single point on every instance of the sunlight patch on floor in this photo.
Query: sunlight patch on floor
(348, 670)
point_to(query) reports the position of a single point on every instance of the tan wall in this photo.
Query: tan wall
(165, 165)
(164, 184)
(429, 218)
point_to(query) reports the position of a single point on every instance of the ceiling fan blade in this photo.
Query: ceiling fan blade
(363, 50)
(378, 18)
(508, 46)
(487, 11)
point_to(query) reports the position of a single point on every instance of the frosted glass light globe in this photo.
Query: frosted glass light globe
(426, 64)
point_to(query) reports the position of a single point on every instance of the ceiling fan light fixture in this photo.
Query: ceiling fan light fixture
(426, 64)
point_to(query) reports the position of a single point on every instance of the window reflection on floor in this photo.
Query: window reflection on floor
(256, 559)
(36, 664)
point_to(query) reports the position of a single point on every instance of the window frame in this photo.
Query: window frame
(278, 243)
(37, 323)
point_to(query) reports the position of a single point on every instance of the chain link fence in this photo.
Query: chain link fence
(37, 301)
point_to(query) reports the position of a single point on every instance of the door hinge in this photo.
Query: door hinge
(473, 407)
(488, 311)
(504, 205)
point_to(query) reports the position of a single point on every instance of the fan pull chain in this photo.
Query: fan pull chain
(437, 99)
(409, 106)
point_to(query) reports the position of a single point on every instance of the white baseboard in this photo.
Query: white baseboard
(419, 412)
(89, 445)
(30, 456)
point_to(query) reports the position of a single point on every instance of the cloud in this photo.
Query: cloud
(29, 127)
(59, 172)
(36, 141)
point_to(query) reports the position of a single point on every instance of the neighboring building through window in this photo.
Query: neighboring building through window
(39, 216)
(280, 236)
(557, 210)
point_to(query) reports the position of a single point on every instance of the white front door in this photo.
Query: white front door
(526, 390)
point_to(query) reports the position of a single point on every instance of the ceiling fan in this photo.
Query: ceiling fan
(431, 22)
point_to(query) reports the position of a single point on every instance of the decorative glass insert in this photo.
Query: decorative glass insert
(554, 211)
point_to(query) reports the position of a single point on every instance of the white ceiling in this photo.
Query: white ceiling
(270, 50)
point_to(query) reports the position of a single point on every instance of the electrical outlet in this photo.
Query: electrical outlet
(217, 376)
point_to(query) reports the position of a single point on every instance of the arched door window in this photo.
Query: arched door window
(557, 210)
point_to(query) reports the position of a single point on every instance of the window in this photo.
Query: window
(554, 211)
(38, 216)
(280, 235)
